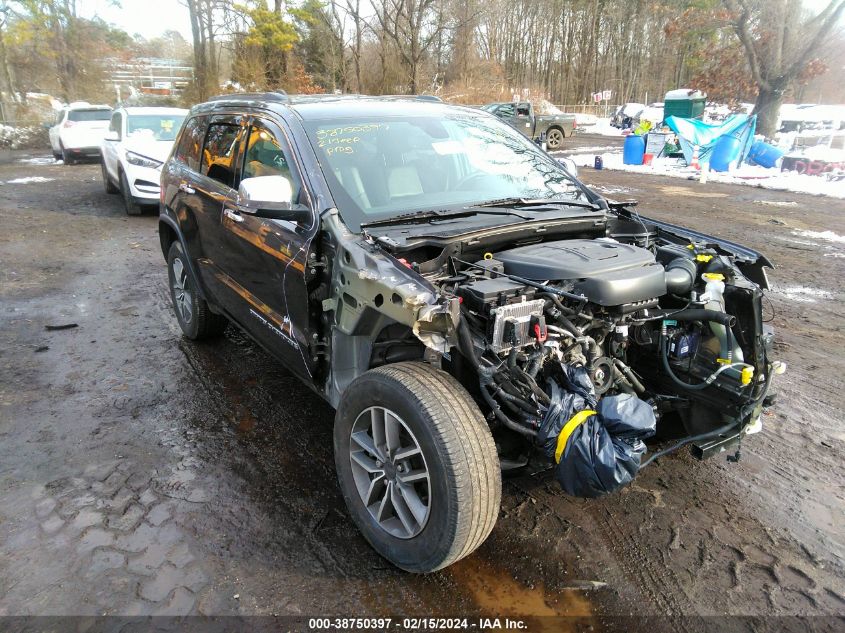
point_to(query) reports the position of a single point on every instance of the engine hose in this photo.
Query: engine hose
(500, 415)
(689, 440)
(519, 402)
(559, 304)
(697, 314)
(484, 378)
(626, 371)
(664, 359)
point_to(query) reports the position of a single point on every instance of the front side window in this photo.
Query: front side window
(190, 143)
(220, 152)
(267, 154)
(378, 168)
(159, 127)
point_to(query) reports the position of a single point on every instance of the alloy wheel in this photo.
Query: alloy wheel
(180, 287)
(390, 472)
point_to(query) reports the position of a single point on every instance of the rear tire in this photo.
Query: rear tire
(420, 524)
(132, 207)
(108, 185)
(192, 312)
(67, 159)
(554, 138)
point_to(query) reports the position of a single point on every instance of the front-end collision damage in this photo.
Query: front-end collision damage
(369, 291)
(437, 325)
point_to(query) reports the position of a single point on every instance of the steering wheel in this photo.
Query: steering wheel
(459, 186)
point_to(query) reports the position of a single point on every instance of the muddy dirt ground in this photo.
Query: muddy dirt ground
(141, 473)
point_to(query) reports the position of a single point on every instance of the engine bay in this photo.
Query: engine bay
(626, 310)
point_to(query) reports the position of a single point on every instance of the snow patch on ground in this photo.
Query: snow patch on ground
(613, 190)
(28, 179)
(584, 150)
(828, 236)
(777, 203)
(40, 160)
(752, 175)
(803, 294)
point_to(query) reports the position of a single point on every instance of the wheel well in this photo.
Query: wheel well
(166, 237)
(557, 127)
(395, 343)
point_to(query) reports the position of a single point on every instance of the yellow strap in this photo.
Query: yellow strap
(567, 430)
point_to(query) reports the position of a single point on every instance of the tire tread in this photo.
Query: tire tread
(469, 448)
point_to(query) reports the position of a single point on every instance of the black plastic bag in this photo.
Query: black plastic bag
(597, 447)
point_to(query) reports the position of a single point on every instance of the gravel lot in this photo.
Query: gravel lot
(140, 473)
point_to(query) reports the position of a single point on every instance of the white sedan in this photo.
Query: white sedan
(136, 145)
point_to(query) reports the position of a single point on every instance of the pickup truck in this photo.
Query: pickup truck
(523, 116)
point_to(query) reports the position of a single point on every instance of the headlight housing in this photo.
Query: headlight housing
(142, 161)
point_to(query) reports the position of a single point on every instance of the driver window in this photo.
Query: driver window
(267, 155)
(522, 109)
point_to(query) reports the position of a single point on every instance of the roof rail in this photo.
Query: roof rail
(434, 98)
(278, 95)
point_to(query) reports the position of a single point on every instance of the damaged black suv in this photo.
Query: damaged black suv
(462, 300)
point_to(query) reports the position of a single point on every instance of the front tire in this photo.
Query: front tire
(132, 207)
(108, 185)
(192, 312)
(417, 465)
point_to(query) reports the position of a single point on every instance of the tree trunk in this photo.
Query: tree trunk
(767, 108)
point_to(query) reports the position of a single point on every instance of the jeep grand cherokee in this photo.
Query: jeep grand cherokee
(461, 299)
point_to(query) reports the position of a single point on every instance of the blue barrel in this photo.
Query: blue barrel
(633, 150)
(764, 154)
(725, 152)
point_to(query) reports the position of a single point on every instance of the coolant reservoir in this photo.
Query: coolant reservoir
(714, 299)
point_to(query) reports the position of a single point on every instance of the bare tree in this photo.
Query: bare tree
(779, 42)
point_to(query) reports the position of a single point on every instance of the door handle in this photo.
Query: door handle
(233, 215)
(183, 186)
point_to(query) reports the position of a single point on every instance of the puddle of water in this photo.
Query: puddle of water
(496, 593)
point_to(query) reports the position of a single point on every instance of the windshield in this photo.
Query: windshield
(378, 168)
(161, 127)
(89, 115)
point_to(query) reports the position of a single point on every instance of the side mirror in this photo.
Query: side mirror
(270, 197)
(111, 135)
(569, 165)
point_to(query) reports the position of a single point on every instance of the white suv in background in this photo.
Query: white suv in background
(79, 131)
(137, 144)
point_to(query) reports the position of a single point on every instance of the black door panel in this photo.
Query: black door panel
(264, 260)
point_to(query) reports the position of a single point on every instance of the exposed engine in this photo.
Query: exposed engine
(674, 324)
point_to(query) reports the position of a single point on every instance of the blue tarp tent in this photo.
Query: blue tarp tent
(693, 132)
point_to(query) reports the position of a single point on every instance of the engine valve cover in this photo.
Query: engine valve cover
(606, 272)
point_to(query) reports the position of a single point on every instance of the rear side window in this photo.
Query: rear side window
(89, 115)
(190, 143)
(219, 153)
(506, 110)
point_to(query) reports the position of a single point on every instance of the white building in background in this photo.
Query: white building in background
(149, 75)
